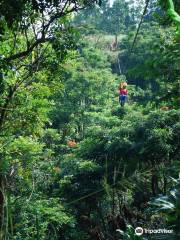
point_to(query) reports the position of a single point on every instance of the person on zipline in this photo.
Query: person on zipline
(122, 93)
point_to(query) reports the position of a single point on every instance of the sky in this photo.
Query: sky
(111, 2)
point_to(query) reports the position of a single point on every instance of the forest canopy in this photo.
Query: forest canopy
(89, 119)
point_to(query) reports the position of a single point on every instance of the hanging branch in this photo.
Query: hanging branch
(173, 14)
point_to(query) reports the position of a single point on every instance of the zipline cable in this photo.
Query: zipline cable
(140, 23)
(97, 191)
(91, 194)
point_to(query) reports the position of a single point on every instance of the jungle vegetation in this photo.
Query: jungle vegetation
(74, 164)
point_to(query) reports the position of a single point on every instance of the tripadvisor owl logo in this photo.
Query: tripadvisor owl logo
(139, 231)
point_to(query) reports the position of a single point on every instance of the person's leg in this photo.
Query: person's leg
(122, 104)
(122, 101)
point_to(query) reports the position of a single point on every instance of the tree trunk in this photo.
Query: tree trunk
(1, 206)
(5, 106)
(154, 184)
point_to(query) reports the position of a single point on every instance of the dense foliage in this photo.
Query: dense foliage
(73, 163)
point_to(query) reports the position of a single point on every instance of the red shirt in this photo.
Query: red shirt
(123, 92)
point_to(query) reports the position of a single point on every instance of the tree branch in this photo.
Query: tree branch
(44, 31)
(29, 50)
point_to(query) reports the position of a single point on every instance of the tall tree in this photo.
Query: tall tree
(28, 29)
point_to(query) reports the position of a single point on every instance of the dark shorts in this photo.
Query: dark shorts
(122, 97)
(122, 100)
